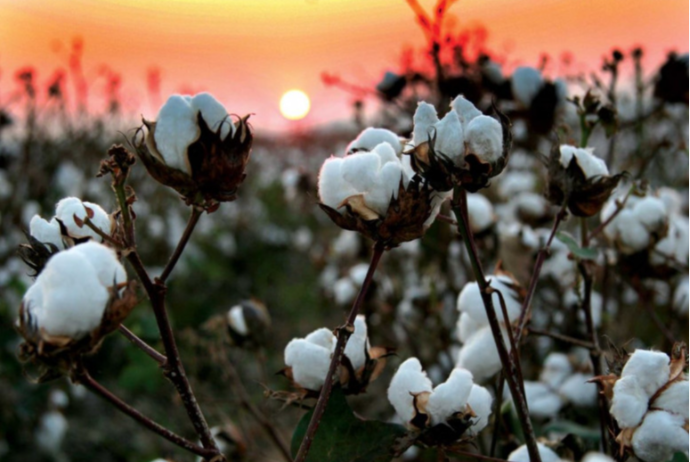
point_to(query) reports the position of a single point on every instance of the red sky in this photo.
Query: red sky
(249, 52)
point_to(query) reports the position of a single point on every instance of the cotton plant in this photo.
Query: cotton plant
(480, 213)
(681, 296)
(195, 147)
(81, 295)
(649, 401)
(375, 193)
(455, 407)
(478, 353)
(308, 359)
(579, 179)
(463, 147)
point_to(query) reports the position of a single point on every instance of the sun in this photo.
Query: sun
(294, 105)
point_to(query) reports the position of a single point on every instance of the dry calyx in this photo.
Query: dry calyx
(580, 179)
(375, 192)
(196, 148)
(465, 147)
(81, 295)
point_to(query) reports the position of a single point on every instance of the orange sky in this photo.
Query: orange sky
(248, 52)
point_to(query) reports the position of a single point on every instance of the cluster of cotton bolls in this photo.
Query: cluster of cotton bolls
(69, 223)
(549, 455)
(309, 358)
(419, 404)
(52, 425)
(69, 297)
(559, 383)
(650, 404)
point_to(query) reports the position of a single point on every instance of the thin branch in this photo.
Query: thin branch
(142, 345)
(106, 237)
(526, 305)
(82, 376)
(563, 338)
(191, 224)
(344, 332)
(510, 369)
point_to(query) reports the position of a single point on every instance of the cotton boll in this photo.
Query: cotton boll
(479, 354)
(660, 435)
(629, 402)
(480, 212)
(470, 300)
(236, 320)
(512, 183)
(596, 457)
(346, 245)
(467, 327)
(674, 245)
(465, 109)
(480, 401)
(526, 83)
(333, 189)
(51, 430)
(492, 71)
(104, 260)
(424, 118)
(360, 170)
(531, 205)
(521, 454)
(450, 397)
(213, 113)
(651, 212)
(58, 399)
(47, 232)
(671, 199)
(632, 235)
(385, 188)
(69, 207)
(591, 165)
(541, 400)
(358, 273)
(309, 362)
(674, 399)
(450, 140)
(578, 391)
(371, 137)
(484, 138)
(651, 368)
(408, 380)
(176, 129)
(322, 337)
(357, 344)
(556, 369)
(681, 296)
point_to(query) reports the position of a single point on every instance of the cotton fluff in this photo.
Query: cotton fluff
(596, 457)
(591, 165)
(470, 299)
(681, 296)
(629, 402)
(485, 138)
(556, 370)
(371, 137)
(376, 175)
(521, 454)
(177, 126)
(479, 354)
(660, 436)
(480, 401)
(50, 432)
(577, 390)
(447, 133)
(674, 399)
(310, 357)
(408, 381)
(236, 320)
(674, 246)
(65, 211)
(70, 295)
(526, 83)
(480, 212)
(450, 397)
(542, 401)
(651, 368)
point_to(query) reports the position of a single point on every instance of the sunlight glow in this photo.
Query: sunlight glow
(294, 105)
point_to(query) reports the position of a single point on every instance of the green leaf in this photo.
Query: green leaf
(583, 253)
(566, 426)
(343, 437)
(679, 457)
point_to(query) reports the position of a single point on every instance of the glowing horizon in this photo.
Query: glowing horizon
(250, 52)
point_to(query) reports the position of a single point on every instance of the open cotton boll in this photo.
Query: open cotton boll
(674, 245)
(629, 402)
(309, 362)
(449, 137)
(370, 137)
(424, 118)
(484, 138)
(681, 296)
(408, 380)
(480, 401)
(51, 431)
(672, 200)
(578, 391)
(213, 113)
(651, 368)
(357, 344)
(69, 207)
(596, 457)
(674, 399)
(73, 298)
(526, 83)
(479, 354)
(651, 212)
(480, 212)
(556, 369)
(521, 454)
(660, 435)
(465, 110)
(322, 337)
(47, 232)
(344, 291)
(590, 164)
(541, 400)
(236, 320)
(333, 189)
(360, 170)
(470, 300)
(531, 205)
(467, 326)
(104, 260)
(176, 129)
(450, 397)
(385, 188)
(632, 235)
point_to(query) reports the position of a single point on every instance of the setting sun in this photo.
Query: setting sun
(294, 105)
